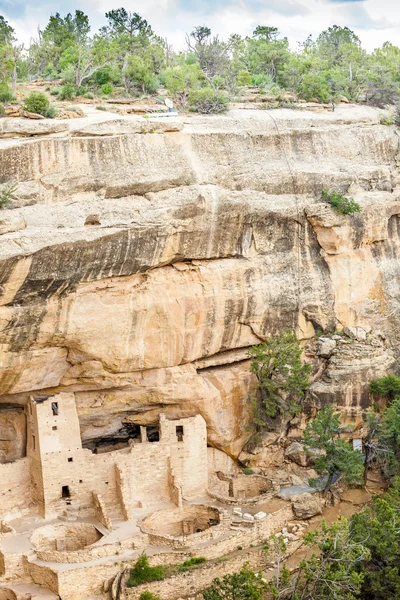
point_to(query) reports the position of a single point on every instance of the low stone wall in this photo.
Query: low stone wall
(191, 582)
(11, 565)
(163, 527)
(7, 594)
(87, 554)
(244, 489)
(257, 534)
(64, 539)
(90, 581)
(43, 575)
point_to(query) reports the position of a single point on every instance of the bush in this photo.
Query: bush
(208, 101)
(191, 562)
(247, 471)
(6, 94)
(37, 102)
(101, 107)
(142, 572)
(55, 92)
(148, 596)
(389, 120)
(244, 78)
(341, 204)
(6, 195)
(67, 92)
(107, 89)
(89, 96)
(51, 112)
(387, 387)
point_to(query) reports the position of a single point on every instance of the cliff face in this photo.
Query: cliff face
(136, 269)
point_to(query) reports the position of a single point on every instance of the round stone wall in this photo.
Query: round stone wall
(6, 594)
(240, 489)
(67, 537)
(176, 526)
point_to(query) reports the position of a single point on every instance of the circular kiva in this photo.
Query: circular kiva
(240, 489)
(65, 538)
(181, 523)
(7, 594)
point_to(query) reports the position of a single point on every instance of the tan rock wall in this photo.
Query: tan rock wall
(90, 302)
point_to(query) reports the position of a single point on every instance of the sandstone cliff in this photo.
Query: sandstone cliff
(139, 263)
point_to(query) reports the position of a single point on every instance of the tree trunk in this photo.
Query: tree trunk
(14, 79)
(328, 485)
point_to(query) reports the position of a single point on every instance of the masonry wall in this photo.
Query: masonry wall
(15, 488)
(65, 476)
(189, 456)
(145, 471)
(192, 582)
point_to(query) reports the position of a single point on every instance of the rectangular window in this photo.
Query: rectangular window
(33, 442)
(54, 428)
(54, 408)
(70, 459)
(179, 433)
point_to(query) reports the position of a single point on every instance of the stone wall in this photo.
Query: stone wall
(190, 583)
(15, 489)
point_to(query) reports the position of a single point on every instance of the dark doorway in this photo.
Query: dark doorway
(65, 492)
(179, 433)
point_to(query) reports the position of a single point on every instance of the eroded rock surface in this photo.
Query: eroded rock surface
(136, 269)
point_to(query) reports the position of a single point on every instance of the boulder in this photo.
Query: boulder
(325, 347)
(356, 333)
(306, 506)
(26, 128)
(296, 453)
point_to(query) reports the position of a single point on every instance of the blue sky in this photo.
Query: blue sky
(375, 21)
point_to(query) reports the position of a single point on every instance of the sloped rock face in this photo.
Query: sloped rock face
(137, 269)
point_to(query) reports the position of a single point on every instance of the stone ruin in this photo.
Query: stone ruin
(67, 512)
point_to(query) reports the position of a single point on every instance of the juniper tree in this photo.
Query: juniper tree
(282, 379)
(338, 457)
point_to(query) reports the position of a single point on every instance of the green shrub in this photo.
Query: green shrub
(107, 89)
(387, 387)
(67, 92)
(148, 596)
(89, 96)
(208, 101)
(55, 91)
(37, 102)
(101, 107)
(389, 120)
(340, 203)
(244, 77)
(142, 572)
(191, 562)
(81, 90)
(6, 94)
(51, 112)
(247, 471)
(6, 195)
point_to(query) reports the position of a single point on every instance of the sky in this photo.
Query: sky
(374, 21)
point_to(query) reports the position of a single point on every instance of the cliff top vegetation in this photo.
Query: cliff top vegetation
(127, 58)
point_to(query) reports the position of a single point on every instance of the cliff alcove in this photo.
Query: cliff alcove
(136, 272)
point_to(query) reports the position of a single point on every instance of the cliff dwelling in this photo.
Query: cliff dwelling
(141, 261)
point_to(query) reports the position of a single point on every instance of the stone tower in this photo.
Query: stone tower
(54, 444)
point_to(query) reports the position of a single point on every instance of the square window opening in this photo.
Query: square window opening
(54, 428)
(70, 459)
